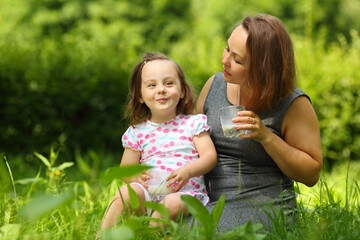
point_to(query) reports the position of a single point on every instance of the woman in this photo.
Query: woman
(256, 171)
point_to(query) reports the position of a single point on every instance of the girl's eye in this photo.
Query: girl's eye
(169, 83)
(151, 85)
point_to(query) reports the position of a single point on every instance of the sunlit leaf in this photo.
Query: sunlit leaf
(122, 232)
(123, 172)
(43, 159)
(197, 209)
(133, 198)
(218, 209)
(158, 207)
(64, 166)
(10, 231)
(43, 205)
(25, 181)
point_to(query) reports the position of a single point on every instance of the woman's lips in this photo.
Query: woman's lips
(225, 72)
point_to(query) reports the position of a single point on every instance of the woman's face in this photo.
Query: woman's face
(234, 57)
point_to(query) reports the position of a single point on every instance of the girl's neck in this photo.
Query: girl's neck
(162, 119)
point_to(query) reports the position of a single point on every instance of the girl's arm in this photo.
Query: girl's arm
(207, 161)
(131, 157)
(299, 155)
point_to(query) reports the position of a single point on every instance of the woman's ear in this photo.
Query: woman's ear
(141, 100)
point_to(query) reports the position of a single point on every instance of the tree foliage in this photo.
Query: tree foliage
(65, 64)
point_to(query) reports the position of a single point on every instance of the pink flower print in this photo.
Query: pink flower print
(166, 130)
(203, 117)
(152, 135)
(153, 140)
(140, 135)
(183, 138)
(142, 151)
(192, 182)
(193, 152)
(169, 169)
(141, 141)
(182, 117)
(175, 130)
(187, 117)
(175, 124)
(179, 164)
(166, 145)
(171, 143)
(150, 152)
(190, 158)
(190, 139)
(136, 146)
(154, 149)
(159, 129)
(183, 123)
(192, 125)
(157, 152)
(158, 162)
(204, 191)
(177, 155)
(147, 136)
(181, 130)
(197, 186)
(163, 155)
(130, 143)
(162, 167)
(126, 137)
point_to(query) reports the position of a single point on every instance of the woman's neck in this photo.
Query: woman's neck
(232, 91)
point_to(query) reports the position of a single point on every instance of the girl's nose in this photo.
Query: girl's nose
(161, 88)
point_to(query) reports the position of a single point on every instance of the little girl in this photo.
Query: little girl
(163, 134)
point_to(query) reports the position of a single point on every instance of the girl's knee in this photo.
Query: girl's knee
(174, 203)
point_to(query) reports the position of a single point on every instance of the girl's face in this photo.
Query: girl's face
(160, 89)
(234, 57)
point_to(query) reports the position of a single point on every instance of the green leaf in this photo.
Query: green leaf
(158, 207)
(123, 172)
(64, 166)
(82, 165)
(218, 209)
(133, 198)
(43, 205)
(25, 181)
(197, 209)
(122, 232)
(43, 159)
(10, 231)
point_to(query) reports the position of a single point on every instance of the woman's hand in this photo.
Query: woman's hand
(140, 178)
(259, 131)
(178, 178)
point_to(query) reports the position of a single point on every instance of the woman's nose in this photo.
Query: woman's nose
(225, 58)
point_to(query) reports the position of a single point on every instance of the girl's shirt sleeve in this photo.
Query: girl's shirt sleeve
(200, 124)
(129, 139)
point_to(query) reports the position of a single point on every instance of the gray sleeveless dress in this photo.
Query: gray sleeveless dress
(253, 185)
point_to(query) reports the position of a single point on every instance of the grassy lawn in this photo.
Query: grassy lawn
(51, 206)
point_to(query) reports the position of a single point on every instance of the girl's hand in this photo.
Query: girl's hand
(253, 123)
(140, 178)
(179, 177)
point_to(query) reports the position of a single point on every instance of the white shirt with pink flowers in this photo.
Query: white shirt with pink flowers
(169, 146)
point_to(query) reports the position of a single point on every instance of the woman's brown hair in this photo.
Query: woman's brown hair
(270, 60)
(136, 111)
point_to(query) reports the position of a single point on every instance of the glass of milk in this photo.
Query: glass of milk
(226, 114)
(157, 182)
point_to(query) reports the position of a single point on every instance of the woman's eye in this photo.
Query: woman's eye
(238, 62)
(227, 49)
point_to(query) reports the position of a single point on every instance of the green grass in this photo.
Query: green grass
(51, 206)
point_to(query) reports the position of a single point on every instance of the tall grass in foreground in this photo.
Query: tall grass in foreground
(51, 207)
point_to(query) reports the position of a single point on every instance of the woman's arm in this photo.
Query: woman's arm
(206, 162)
(203, 94)
(299, 155)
